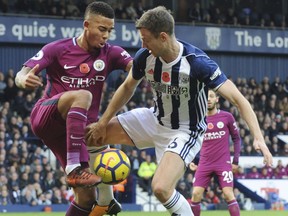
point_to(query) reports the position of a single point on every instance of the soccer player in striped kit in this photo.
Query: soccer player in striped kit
(180, 75)
(215, 156)
(76, 70)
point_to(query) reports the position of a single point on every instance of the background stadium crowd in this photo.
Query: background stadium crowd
(27, 176)
(222, 12)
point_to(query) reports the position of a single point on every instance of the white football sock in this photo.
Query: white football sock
(178, 205)
(105, 192)
(70, 168)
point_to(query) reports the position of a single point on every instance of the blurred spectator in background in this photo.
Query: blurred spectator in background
(253, 173)
(145, 174)
(135, 161)
(119, 189)
(4, 197)
(44, 200)
(11, 90)
(239, 197)
(195, 13)
(265, 174)
(57, 197)
(28, 196)
(3, 85)
(131, 10)
(183, 188)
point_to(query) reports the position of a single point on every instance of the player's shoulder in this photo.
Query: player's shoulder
(61, 44)
(191, 50)
(110, 47)
(224, 113)
(142, 53)
(115, 51)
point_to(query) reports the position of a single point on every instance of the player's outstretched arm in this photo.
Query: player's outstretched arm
(26, 78)
(96, 132)
(230, 92)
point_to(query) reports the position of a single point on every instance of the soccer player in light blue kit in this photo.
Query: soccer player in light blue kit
(215, 156)
(76, 70)
(180, 75)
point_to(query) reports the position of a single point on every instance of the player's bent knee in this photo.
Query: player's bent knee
(84, 95)
(161, 192)
(82, 98)
(229, 197)
(196, 196)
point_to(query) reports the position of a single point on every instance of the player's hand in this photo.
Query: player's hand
(234, 168)
(31, 80)
(262, 147)
(95, 134)
(193, 166)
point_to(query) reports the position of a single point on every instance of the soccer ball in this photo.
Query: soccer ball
(112, 165)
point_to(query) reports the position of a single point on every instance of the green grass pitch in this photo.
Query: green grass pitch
(203, 213)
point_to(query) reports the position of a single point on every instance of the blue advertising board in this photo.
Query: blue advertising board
(211, 38)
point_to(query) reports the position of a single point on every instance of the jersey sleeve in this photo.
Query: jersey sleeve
(139, 63)
(119, 58)
(44, 57)
(208, 71)
(235, 136)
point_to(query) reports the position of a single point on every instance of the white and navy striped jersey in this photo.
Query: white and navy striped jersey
(180, 87)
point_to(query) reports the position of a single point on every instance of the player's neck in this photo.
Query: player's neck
(80, 42)
(172, 53)
(212, 112)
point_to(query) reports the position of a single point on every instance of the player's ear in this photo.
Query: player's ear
(85, 23)
(163, 36)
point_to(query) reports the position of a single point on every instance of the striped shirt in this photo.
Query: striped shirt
(180, 87)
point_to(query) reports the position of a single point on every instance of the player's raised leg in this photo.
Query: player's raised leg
(73, 106)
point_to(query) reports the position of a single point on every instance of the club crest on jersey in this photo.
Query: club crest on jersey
(183, 78)
(210, 126)
(38, 56)
(220, 125)
(99, 65)
(84, 68)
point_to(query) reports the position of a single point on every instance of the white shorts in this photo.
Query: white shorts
(144, 130)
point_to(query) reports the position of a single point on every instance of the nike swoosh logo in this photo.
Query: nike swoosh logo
(69, 67)
(108, 162)
(73, 137)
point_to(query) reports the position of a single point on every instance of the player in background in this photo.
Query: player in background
(180, 75)
(215, 156)
(76, 69)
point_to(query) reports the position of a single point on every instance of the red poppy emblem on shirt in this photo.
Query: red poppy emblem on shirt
(210, 126)
(165, 76)
(84, 68)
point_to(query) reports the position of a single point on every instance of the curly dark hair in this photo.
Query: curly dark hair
(100, 8)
